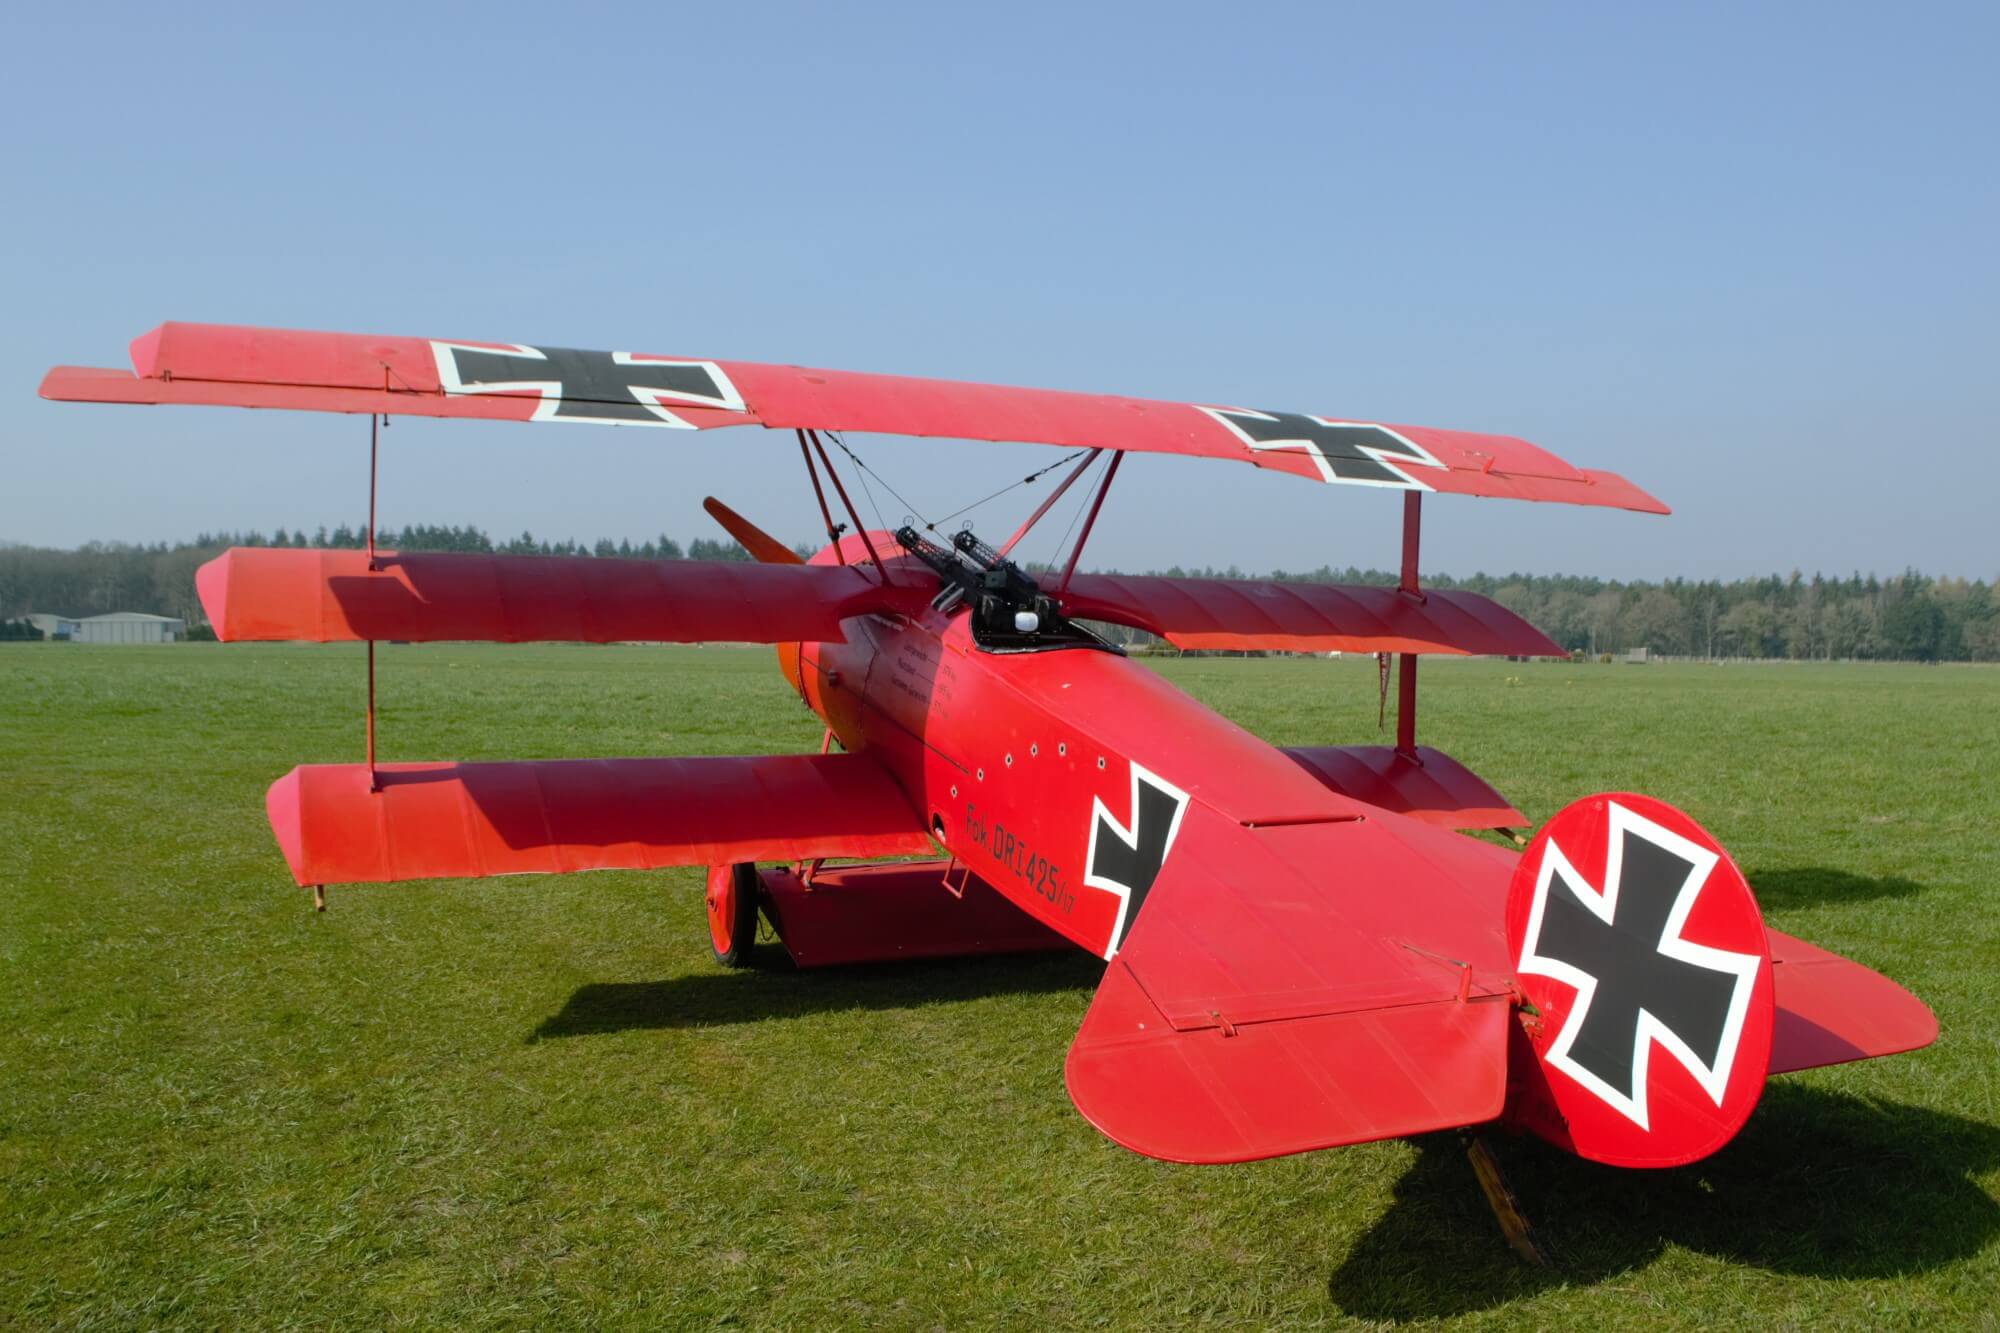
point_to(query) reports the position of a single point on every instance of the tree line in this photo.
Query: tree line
(1904, 617)
(1908, 617)
(98, 577)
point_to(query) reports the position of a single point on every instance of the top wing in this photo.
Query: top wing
(331, 372)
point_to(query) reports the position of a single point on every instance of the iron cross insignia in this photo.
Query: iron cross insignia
(1639, 982)
(1126, 861)
(1357, 452)
(599, 388)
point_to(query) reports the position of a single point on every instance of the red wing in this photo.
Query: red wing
(1299, 987)
(1277, 1088)
(1831, 1010)
(93, 384)
(1432, 786)
(437, 821)
(327, 596)
(1304, 617)
(333, 372)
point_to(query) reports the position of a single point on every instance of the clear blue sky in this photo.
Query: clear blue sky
(1745, 255)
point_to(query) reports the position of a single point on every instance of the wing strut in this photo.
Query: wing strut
(826, 515)
(859, 526)
(376, 420)
(1043, 508)
(1406, 667)
(1076, 552)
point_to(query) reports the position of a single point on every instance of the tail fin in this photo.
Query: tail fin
(1647, 971)
(754, 539)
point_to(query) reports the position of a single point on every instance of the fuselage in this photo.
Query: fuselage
(1065, 777)
(1008, 756)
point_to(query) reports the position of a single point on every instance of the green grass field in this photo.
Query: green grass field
(538, 1101)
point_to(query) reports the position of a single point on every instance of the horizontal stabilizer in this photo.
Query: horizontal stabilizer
(1241, 614)
(449, 821)
(1432, 786)
(330, 596)
(1831, 1010)
(1301, 986)
(1267, 1089)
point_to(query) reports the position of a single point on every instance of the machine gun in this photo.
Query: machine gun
(1010, 612)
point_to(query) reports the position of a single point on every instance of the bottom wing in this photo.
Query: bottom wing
(432, 821)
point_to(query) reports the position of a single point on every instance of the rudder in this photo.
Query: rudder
(1647, 971)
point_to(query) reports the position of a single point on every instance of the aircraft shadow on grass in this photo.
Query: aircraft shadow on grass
(1818, 1184)
(1795, 887)
(776, 989)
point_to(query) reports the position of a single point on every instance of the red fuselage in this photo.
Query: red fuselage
(1015, 759)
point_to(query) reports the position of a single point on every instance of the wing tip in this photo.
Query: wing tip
(1632, 498)
(283, 808)
(145, 351)
(211, 589)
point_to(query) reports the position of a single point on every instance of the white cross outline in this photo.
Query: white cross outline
(550, 391)
(1394, 462)
(1130, 837)
(1604, 905)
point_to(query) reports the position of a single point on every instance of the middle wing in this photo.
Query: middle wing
(1304, 617)
(327, 596)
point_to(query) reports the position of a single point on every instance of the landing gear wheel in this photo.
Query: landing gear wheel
(732, 912)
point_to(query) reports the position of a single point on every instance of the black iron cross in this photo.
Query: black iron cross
(1344, 451)
(1625, 957)
(1132, 861)
(592, 386)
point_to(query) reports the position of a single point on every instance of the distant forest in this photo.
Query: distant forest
(1907, 617)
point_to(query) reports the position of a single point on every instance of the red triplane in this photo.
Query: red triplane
(1304, 948)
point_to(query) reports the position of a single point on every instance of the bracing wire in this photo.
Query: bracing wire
(1082, 502)
(861, 474)
(864, 472)
(1030, 478)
